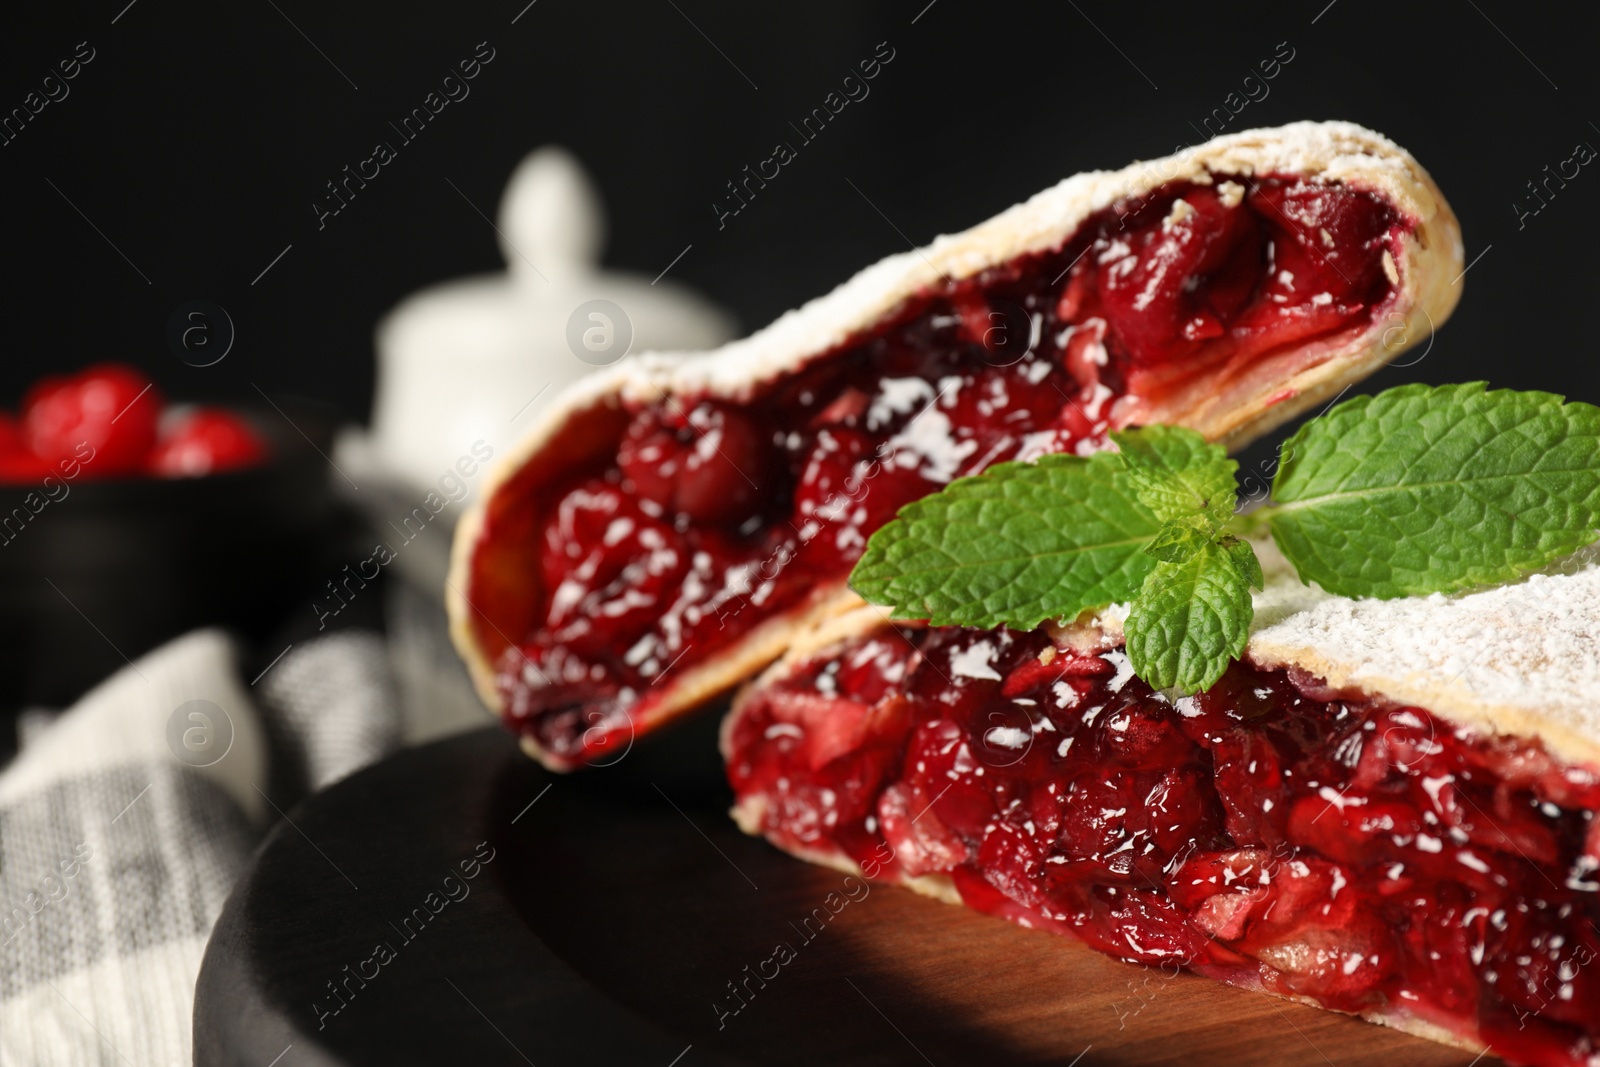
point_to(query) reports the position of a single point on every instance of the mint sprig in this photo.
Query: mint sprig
(1018, 544)
(1191, 618)
(1416, 490)
(1178, 474)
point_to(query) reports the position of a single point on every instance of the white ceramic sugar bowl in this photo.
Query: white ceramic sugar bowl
(472, 360)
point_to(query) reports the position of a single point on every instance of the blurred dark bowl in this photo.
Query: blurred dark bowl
(115, 567)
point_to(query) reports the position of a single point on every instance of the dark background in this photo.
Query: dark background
(200, 134)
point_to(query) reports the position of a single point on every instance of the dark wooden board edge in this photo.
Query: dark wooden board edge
(316, 876)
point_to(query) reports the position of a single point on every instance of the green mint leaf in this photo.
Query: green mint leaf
(1179, 473)
(1013, 546)
(1245, 561)
(1179, 540)
(1435, 489)
(1190, 620)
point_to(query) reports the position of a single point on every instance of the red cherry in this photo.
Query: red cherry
(649, 457)
(104, 418)
(1150, 282)
(41, 388)
(723, 473)
(207, 441)
(23, 468)
(1333, 236)
(600, 545)
(18, 464)
(709, 465)
(826, 485)
(922, 844)
(11, 438)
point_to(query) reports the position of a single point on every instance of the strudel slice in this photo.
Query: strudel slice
(1388, 808)
(673, 523)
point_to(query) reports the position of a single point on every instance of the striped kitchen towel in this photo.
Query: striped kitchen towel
(124, 821)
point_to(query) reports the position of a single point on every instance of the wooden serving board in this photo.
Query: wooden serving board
(618, 906)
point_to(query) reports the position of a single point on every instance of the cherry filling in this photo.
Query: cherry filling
(1268, 832)
(711, 517)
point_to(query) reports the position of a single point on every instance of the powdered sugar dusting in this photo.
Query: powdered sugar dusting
(1520, 659)
(974, 662)
(1517, 659)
